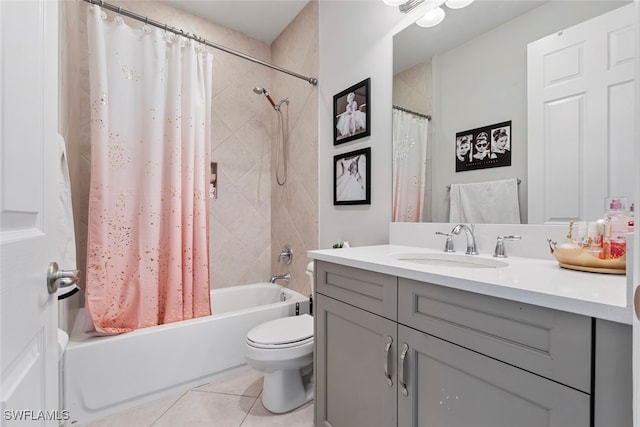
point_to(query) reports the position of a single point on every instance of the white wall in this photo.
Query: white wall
(356, 42)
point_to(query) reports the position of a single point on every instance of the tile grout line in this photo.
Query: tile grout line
(249, 411)
(169, 408)
(224, 393)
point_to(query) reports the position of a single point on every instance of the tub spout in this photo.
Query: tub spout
(286, 277)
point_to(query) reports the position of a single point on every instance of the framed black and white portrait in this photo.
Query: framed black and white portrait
(485, 147)
(351, 117)
(352, 178)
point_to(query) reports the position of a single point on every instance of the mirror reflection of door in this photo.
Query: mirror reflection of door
(581, 118)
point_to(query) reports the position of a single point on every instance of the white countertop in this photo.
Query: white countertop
(528, 280)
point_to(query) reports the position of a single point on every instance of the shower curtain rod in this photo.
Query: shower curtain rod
(426, 116)
(147, 21)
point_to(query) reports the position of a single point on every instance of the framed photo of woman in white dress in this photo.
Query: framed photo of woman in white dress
(352, 178)
(351, 117)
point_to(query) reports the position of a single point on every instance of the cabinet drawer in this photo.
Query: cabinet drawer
(374, 292)
(551, 343)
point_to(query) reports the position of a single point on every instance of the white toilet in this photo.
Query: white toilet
(283, 350)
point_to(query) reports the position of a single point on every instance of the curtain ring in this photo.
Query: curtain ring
(101, 3)
(198, 39)
(146, 20)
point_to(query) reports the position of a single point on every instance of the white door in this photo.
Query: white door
(28, 131)
(582, 114)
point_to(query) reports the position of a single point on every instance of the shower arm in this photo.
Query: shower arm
(273, 104)
(262, 91)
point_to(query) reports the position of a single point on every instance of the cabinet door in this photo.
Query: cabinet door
(451, 386)
(353, 359)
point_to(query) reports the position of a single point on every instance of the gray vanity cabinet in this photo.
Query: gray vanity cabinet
(397, 352)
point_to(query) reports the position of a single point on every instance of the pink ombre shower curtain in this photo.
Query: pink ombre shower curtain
(147, 249)
(409, 166)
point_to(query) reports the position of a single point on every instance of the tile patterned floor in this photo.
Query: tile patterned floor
(230, 402)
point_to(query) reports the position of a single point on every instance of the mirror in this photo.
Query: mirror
(470, 72)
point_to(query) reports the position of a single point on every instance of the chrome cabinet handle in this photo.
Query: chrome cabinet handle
(387, 353)
(403, 359)
(57, 278)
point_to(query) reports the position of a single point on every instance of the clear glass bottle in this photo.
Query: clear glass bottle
(618, 220)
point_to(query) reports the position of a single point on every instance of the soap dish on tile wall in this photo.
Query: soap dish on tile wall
(575, 257)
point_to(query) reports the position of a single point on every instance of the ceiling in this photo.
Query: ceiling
(415, 44)
(261, 19)
(266, 19)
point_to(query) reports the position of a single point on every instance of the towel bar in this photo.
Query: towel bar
(449, 185)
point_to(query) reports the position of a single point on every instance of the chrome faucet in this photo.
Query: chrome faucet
(500, 251)
(471, 238)
(286, 277)
(448, 244)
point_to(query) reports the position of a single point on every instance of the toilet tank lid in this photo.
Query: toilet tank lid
(283, 331)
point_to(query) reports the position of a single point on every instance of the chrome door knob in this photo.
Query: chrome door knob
(57, 278)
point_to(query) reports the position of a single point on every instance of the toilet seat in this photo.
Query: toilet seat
(280, 333)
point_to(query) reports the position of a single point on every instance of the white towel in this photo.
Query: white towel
(66, 254)
(490, 202)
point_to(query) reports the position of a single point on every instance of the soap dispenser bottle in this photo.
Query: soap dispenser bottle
(617, 223)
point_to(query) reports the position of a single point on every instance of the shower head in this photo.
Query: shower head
(263, 91)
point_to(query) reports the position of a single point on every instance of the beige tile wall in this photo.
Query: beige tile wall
(412, 89)
(242, 250)
(294, 206)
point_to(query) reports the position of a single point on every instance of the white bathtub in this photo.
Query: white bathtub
(105, 375)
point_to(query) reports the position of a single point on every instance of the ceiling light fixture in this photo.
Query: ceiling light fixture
(457, 4)
(434, 15)
(393, 2)
(408, 5)
(432, 18)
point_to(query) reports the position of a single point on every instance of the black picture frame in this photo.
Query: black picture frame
(352, 178)
(485, 147)
(352, 115)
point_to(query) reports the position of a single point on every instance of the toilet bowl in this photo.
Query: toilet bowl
(283, 350)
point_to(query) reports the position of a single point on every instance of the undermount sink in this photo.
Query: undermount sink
(449, 260)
